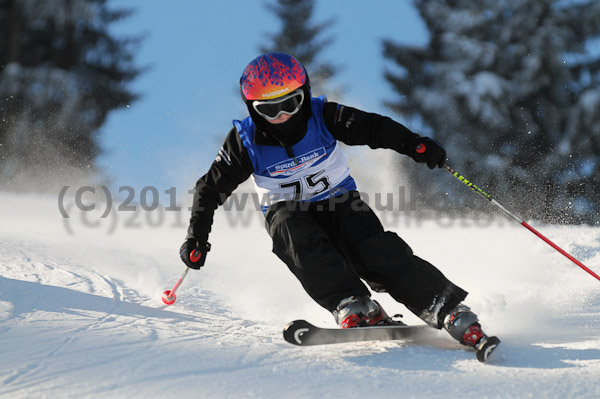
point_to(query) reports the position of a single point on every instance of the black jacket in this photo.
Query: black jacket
(233, 166)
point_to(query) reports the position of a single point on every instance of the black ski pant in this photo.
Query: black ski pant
(331, 245)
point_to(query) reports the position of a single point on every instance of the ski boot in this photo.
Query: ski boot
(360, 312)
(463, 325)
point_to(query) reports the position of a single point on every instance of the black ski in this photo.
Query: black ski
(302, 333)
(486, 348)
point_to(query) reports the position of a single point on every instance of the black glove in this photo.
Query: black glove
(424, 149)
(193, 253)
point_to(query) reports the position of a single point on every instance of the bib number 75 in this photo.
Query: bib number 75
(309, 186)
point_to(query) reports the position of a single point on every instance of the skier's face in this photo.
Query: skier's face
(283, 118)
(280, 119)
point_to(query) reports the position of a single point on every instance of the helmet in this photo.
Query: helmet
(276, 83)
(272, 75)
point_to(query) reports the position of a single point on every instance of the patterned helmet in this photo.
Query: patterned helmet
(272, 75)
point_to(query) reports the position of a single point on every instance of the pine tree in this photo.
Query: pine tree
(300, 37)
(61, 73)
(513, 91)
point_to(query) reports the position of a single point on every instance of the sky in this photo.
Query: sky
(193, 54)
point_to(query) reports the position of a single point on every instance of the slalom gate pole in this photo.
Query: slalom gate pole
(488, 197)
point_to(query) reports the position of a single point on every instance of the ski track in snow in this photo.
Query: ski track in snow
(81, 316)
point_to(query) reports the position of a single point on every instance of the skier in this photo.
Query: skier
(321, 229)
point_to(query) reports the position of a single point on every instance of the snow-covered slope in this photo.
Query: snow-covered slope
(81, 315)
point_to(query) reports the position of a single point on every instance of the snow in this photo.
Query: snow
(81, 315)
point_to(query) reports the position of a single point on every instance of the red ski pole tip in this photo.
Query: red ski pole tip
(168, 298)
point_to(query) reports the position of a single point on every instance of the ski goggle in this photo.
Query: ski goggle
(272, 109)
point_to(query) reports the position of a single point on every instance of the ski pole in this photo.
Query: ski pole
(517, 219)
(168, 297)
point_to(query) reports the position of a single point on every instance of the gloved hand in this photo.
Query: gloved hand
(193, 253)
(428, 150)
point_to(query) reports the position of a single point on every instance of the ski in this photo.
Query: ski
(303, 333)
(485, 348)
